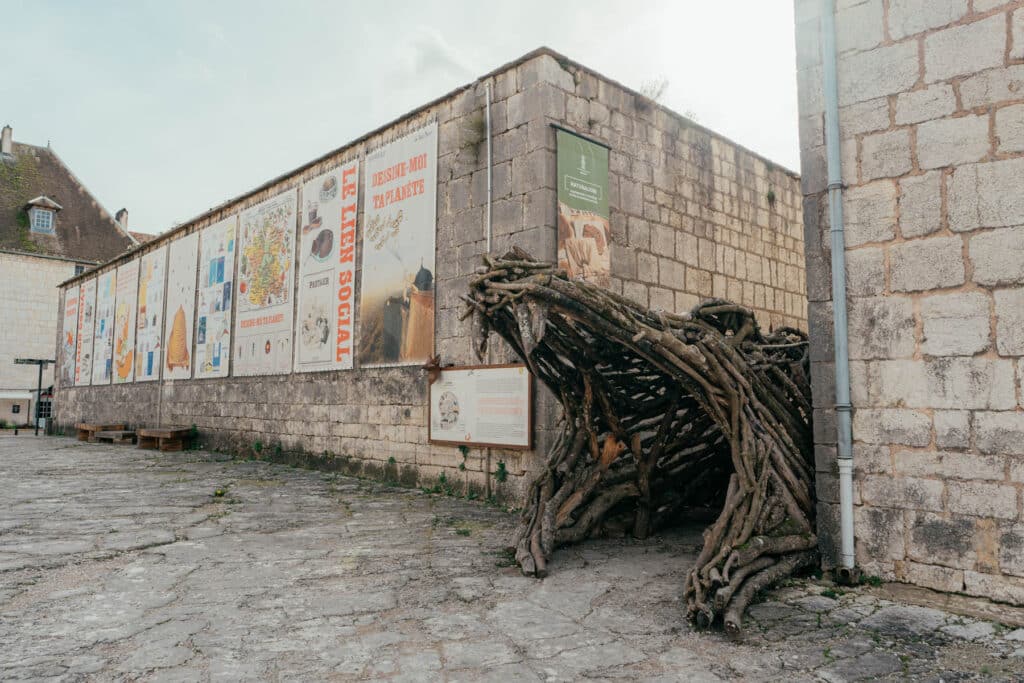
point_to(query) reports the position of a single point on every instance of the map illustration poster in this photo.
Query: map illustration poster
(150, 318)
(266, 278)
(181, 304)
(327, 247)
(216, 282)
(103, 334)
(86, 313)
(124, 321)
(69, 333)
(396, 298)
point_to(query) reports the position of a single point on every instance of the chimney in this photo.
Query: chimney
(6, 143)
(122, 218)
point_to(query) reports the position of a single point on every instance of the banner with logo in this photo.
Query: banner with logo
(124, 321)
(266, 271)
(216, 287)
(150, 318)
(103, 329)
(327, 248)
(396, 302)
(584, 226)
(69, 337)
(181, 305)
(86, 314)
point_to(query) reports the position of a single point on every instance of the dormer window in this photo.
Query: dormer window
(42, 215)
(42, 221)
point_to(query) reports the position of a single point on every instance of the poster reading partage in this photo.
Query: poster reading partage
(124, 321)
(69, 336)
(86, 316)
(584, 227)
(150, 319)
(216, 287)
(266, 271)
(482, 406)
(396, 301)
(103, 334)
(181, 305)
(327, 267)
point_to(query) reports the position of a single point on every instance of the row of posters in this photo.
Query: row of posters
(168, 315)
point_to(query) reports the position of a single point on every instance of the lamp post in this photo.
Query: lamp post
(42, 363)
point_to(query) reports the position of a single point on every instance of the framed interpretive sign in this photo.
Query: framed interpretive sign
(482, 405)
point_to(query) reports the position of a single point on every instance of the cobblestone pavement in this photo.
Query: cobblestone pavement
(122, 564)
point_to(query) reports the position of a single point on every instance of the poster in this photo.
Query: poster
(124, 321)
(266, 271)
(327, 248)
(86, 316)
(150, 318)
(584, 229)
(69, 332)
(482, 406)
(216, 282)
(103, 330)
(396, 303)
(181, 305)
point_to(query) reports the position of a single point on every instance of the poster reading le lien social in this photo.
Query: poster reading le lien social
(327, 247)
(584, 229)
(397, 280)
(266, 270)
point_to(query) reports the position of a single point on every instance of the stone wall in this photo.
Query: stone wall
(678, 184)
(932, 134)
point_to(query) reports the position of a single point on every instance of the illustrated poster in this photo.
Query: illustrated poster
(181, 305)
(266, 270)
(396, 307)
(124, 321)
(69, 334)
(584, 228)
(216, 282)
(482, 406)
(150, 318)
(327, 247)
(86, 316)
(103, 334)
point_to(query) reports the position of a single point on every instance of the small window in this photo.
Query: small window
(42, 221)
(16, 408)
(79, 270)
(44, 408)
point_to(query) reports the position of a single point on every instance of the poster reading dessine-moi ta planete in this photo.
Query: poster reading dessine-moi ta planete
(396, 301)
(326, 256)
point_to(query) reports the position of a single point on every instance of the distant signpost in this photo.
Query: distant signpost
(42, 363)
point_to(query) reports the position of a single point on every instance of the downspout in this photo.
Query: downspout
(490, 180)
(839, 319)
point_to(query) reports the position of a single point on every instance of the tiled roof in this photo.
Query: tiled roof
(142, 237)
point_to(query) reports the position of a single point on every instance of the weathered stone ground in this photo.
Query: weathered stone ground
(121, 564)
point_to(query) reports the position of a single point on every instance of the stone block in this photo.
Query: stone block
(930, 103)
(662, 299)
(932, 263)
(865, 271)
(933, 576)
(881, 327)
(686, 248)
(908, 493)
(663, 240)
(952, 428)
(1010, 321)
(999, 588)
(967, 383)
(859, 27)
(647, 267)
(948, 541)
(671, 273)
(982, 499)
(920, 204)
(892, 426)
(1017, 34)
(871, 459)
(955, 324)
(965, 49)
(1010, 128)
(885, 155)
(859, 118)
(992, 87)
(545, 69)
(999, 432)
(950, 465)
(1011, 551)
(952, 141)
(635, 291)
(998, 256)
(870, 213)
(877, 73)
(907, 17)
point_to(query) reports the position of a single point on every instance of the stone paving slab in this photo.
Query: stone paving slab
(120, 564)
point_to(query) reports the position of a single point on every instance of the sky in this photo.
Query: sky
(170, 108)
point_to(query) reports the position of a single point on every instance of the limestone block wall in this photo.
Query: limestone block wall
(932, 126)
(691, 217)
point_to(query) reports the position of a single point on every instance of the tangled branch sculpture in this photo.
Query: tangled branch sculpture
(666, 416)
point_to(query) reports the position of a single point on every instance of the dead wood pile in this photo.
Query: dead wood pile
(666, 416)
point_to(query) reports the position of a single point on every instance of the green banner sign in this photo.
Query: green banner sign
(584, 229)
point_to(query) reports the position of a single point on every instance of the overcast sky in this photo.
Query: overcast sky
(169, 108)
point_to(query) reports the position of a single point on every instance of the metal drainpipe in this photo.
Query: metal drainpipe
(839, 320)
(490, 187)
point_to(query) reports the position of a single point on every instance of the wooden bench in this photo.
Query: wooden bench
(116, 436)
(165, 438)
(86, 431)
